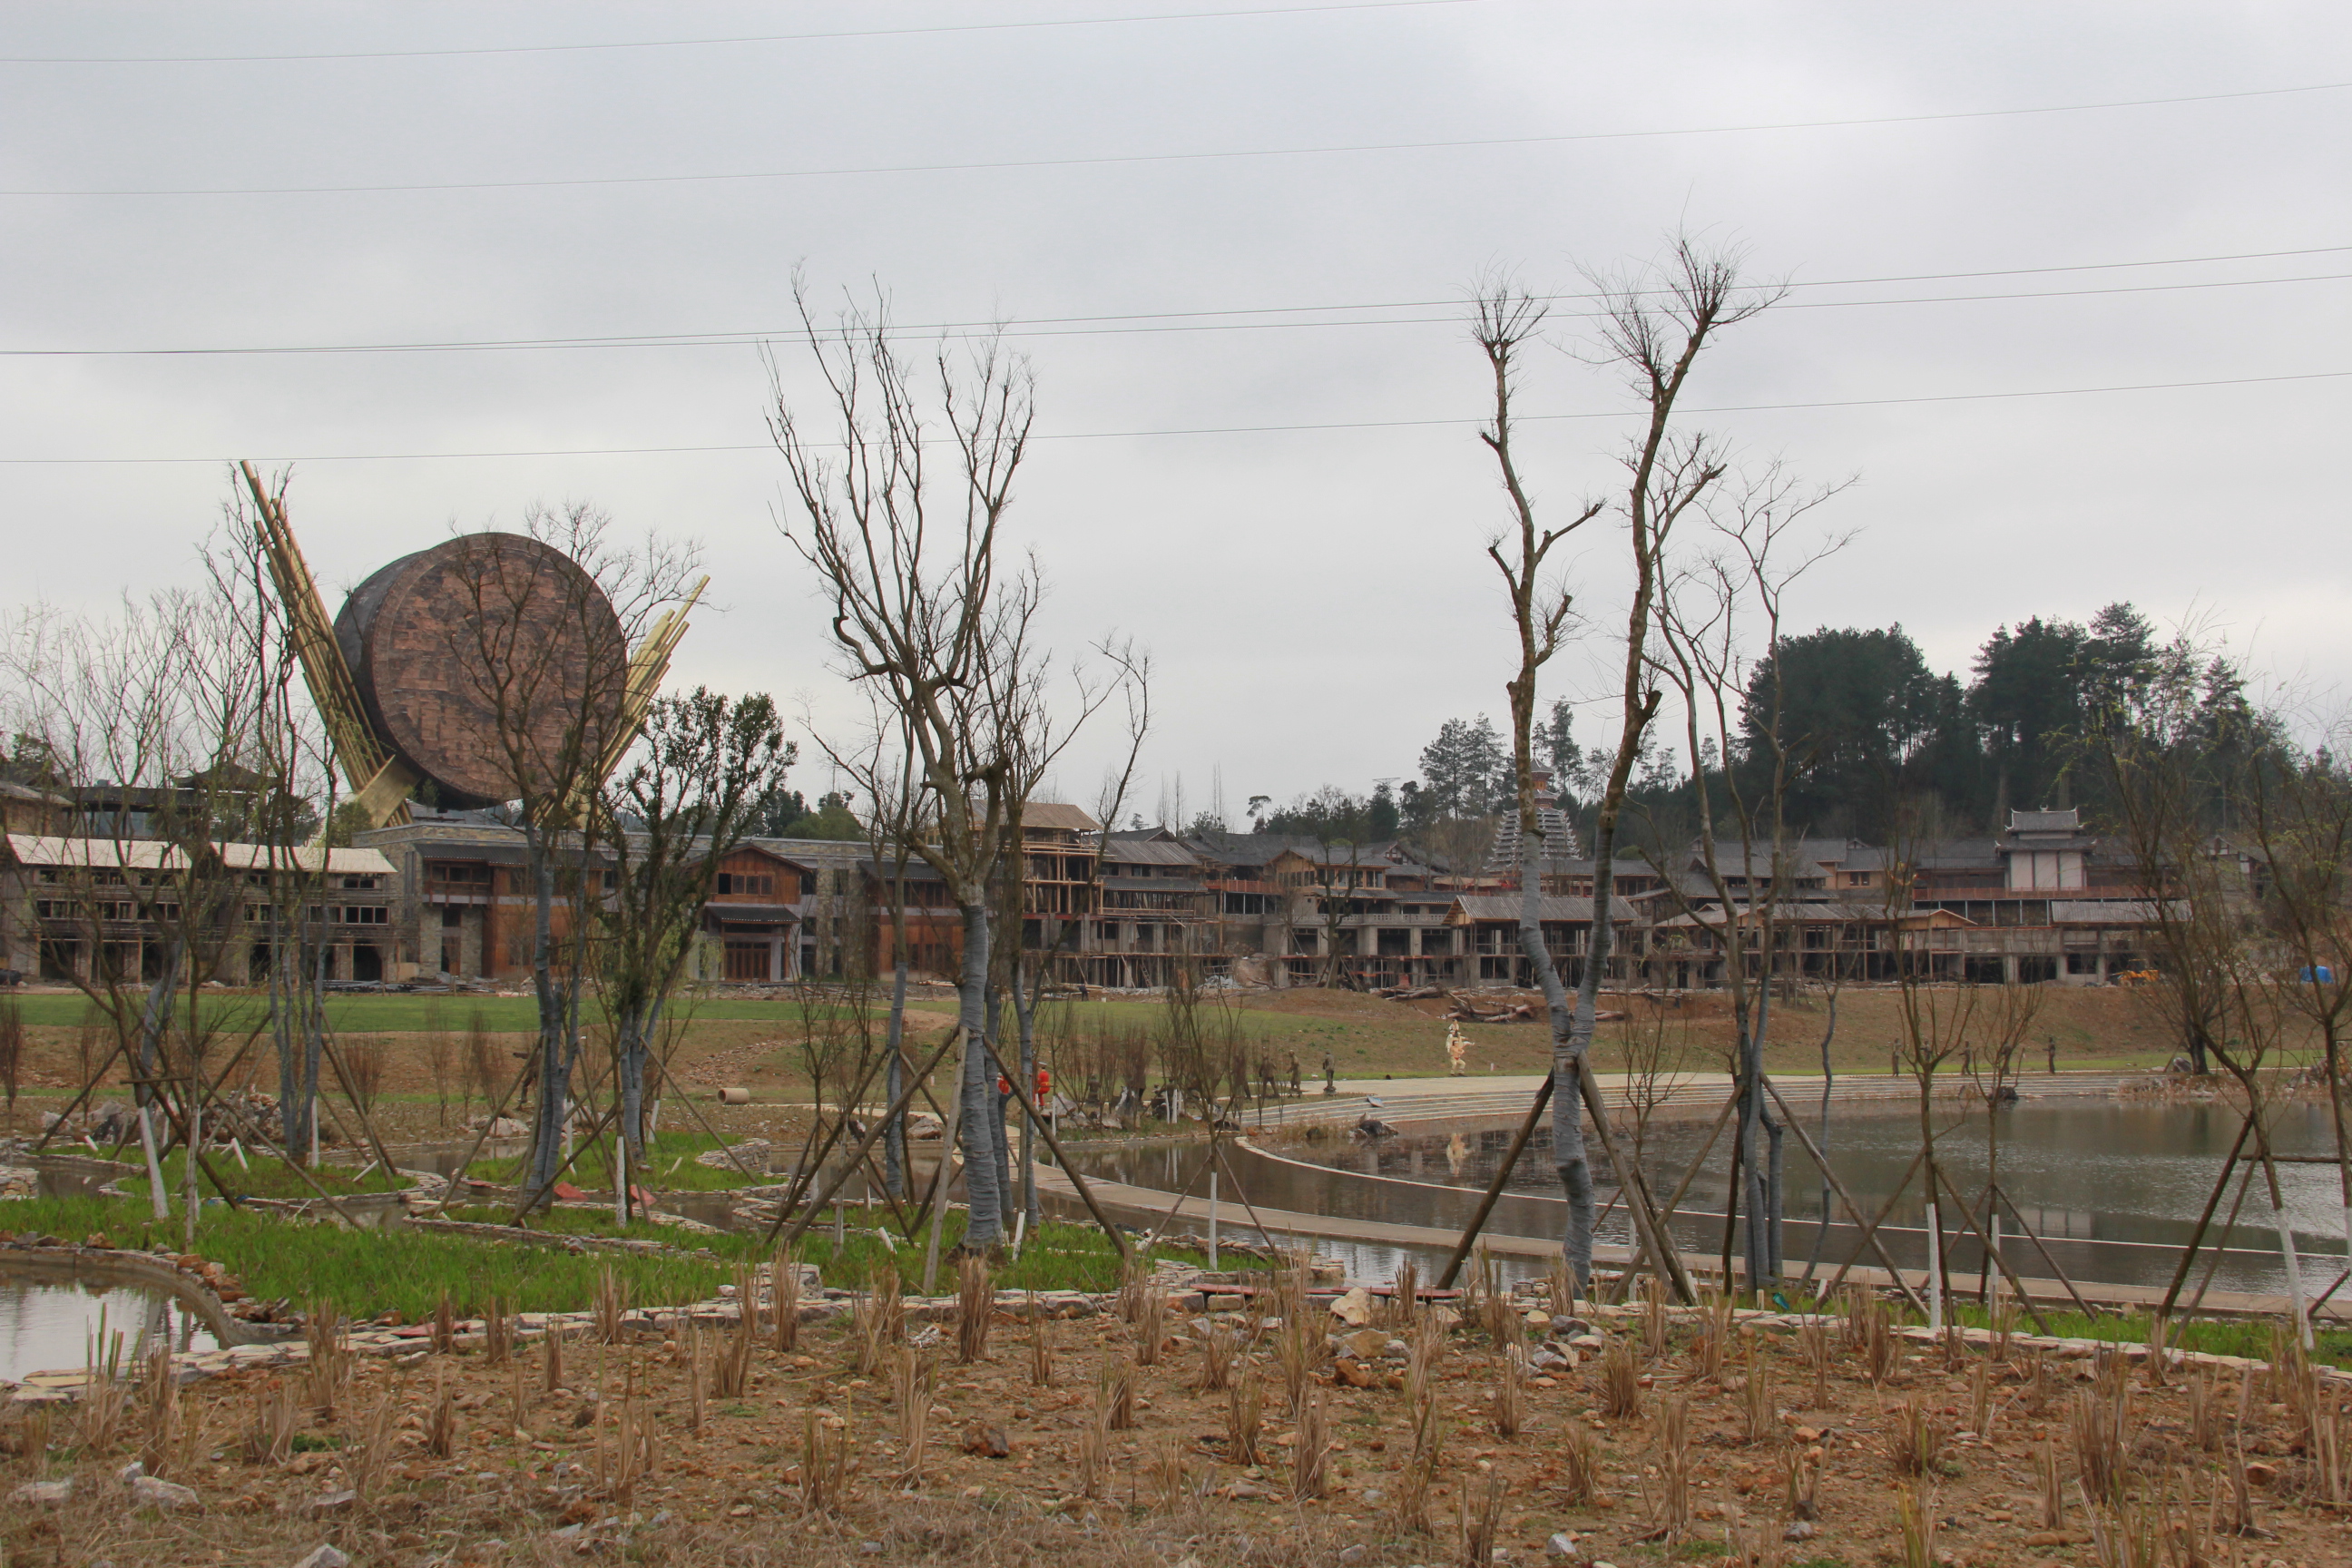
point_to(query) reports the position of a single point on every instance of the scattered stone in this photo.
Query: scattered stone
(1562, 1545)
(1353, 1373)
(130, 1472)
(1355, 1554)
(1354, 1309)
(1366, 1344)
(988, 1442)
(151, 1491)
(332, 1502)
(1799, 1529)
(2259, 1474)
(324, 1556)
(43, 1494)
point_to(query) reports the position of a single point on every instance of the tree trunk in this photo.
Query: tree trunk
(636, 1029)
(314, 1045)
(554, 1060)
(985, 1226)
(1569, 1156)
(1024, 1014)
(894, 1137)
(293, 1120)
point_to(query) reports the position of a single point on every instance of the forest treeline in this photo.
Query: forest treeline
(1870, 730)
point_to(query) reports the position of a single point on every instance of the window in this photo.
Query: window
(745, 884)
(357, 884)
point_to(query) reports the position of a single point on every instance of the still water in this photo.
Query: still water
(2112, 1189)
(52, 1325)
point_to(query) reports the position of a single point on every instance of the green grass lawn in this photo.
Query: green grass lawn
(368, 1272)
(365, 1273)
(260, 1177)
(2213, 1336)
(672, 1167)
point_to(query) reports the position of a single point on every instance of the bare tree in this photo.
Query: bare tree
(1708, 612)
(2298, 817)
(1655, 323)
(1031, 732)
(157, 716)
(543, 648)
(914, 607)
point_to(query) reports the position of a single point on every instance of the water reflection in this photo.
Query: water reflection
(2113, 1189)
(50, 1325)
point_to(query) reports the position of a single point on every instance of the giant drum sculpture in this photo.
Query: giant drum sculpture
(491, 664)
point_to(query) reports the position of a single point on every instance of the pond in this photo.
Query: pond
(49, 1324)
(2113, 1189)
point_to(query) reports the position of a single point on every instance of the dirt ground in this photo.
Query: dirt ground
(529, 1467)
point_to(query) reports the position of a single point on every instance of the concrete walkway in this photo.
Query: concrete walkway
(1493, 1097)
(1154, 1207)
(1509, 1095)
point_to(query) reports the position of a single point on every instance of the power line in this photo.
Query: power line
(710, 43)
(1168, 321)
(1245, 430)
(1131, 159)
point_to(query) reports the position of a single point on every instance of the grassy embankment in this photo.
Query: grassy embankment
(2255, 1338)
(371, 1271)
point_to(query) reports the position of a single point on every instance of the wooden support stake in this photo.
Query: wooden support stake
(2197, 1237)
(1870, 1231)
(1845, 1197)
(864, 1143)
(2081, 1305)
(1992, 1255)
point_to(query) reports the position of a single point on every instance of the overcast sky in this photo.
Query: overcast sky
(1315, 598)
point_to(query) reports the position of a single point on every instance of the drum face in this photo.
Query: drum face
(491, 664)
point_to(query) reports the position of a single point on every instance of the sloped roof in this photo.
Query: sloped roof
(16, 791)
(1795, 911)
(1147, 852)
(1558, 909)
(757, 848)
(106, 854)
(152, 854)
(261, 856)
(2105, 911)
(1056, 813)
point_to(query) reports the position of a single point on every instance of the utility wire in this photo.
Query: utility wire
(1130, 159)
(710, 43)
(1253, 429)
(1072, 326)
